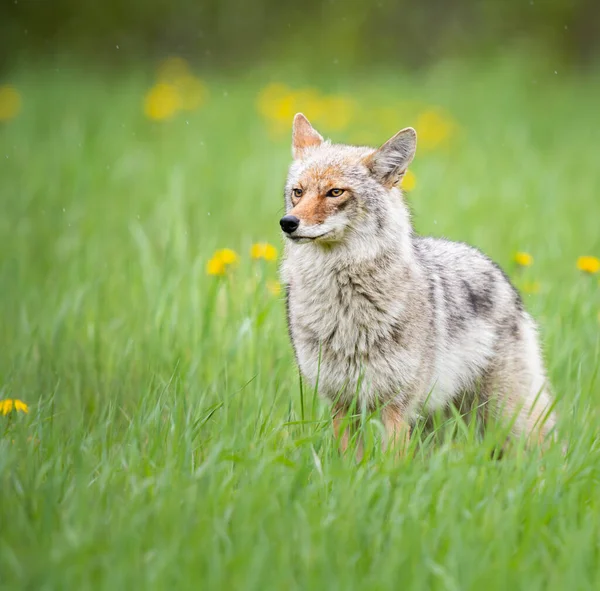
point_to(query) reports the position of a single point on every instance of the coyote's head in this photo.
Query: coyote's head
(334, 191)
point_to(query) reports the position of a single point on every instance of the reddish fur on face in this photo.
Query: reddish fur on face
(314, 207)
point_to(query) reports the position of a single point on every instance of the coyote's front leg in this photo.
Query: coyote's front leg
(397, 430)
(343, 427)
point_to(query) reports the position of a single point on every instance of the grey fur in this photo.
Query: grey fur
(398, 318)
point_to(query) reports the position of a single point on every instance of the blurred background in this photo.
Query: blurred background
(233, 34)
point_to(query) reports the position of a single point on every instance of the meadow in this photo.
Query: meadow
(168, 442)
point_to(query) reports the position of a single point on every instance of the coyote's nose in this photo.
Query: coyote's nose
(289, 223)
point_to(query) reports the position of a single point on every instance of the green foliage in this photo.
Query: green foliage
(166, 444)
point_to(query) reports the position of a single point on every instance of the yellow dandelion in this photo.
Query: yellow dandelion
(285, 109)
(434, 127)
(263, 250)
(162, 102)
(10, 102)
(409, 181)
(523, 259)
(588, 264)
(305, 100)
(21, 406)
(227, 256)
(269, 97)
(215, 266)
(220, 260)
(8, 405)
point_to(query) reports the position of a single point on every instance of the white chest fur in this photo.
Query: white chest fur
(344, 324)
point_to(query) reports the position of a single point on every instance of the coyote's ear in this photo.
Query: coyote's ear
(389, 163)
(303, 136)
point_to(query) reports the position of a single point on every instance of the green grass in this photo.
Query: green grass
(165, 447)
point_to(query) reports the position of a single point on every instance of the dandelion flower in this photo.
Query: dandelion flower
(10, 102)
(269, 98)
(588, 264)
(215, 266)
(409, 181)
(21, 406)
(310, 102)
(162, 102)
(263, 250)
(8, 405)
(227, 256)
(273, 287)
(523, 259)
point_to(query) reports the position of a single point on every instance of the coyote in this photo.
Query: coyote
(381, 316)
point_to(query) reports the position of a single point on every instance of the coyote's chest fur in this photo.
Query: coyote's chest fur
(350, 335)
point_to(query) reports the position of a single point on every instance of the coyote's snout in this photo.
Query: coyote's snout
(399, 320)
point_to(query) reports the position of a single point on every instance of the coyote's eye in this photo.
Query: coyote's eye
(298, 192)
(335, 192)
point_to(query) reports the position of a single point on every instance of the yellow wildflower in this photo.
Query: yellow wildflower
(215, 266)
(179, 88)
(273, 287)
(409, 181)
(269, 98)
(307, 101)
(433, 128)
(523, 259)
(162, 102)
(228, 256)
(8, 405)
(285, 109)
(20, 405)
(10, 102)
(278, 104)
(588, 264)
(263, 250)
